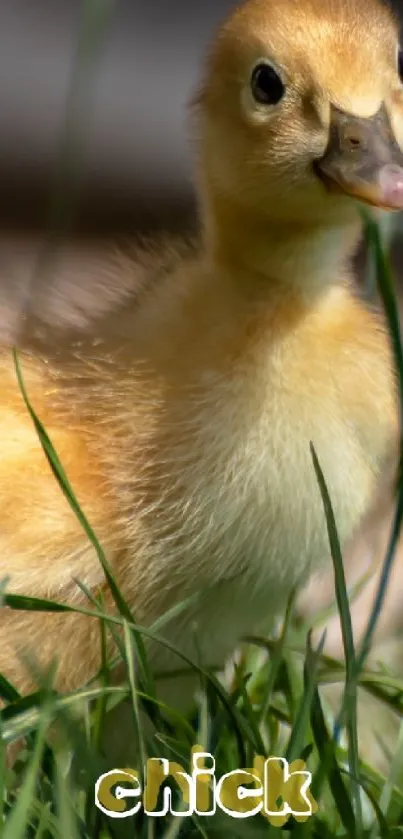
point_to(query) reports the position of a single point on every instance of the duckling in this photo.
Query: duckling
(182, 392)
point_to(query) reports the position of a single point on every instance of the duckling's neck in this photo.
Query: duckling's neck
(305, 257)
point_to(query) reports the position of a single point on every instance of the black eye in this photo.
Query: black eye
(267, 87)
(400, 64)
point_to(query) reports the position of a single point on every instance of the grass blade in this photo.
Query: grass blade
(349, 709)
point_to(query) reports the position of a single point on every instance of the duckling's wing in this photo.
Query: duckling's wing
(72, 288)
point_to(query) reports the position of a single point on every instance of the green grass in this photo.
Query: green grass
(271, 705)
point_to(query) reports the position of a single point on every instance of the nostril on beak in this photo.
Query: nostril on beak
(351, 139)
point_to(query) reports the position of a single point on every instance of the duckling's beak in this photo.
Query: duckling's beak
(363, 160)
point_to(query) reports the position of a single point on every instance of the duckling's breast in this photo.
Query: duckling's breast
(246, 516)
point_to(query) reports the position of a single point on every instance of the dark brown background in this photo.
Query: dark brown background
(123, 89)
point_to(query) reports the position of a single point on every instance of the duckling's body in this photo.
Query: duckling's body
(190, 456)
(183, 414)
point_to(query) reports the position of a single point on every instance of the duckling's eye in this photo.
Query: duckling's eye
(400, 64)
(267, 87)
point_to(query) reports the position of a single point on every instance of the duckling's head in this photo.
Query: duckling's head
(301, 111)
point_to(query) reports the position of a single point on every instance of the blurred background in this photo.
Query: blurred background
(105, 84)
(94, 143)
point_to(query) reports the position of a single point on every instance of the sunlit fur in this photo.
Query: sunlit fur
(182, 393)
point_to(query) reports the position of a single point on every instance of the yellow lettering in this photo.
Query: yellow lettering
(115, 804)
(235, 798)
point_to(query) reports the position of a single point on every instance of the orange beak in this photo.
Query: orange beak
(363, 160)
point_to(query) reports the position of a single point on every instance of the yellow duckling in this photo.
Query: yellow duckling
(182, 393)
